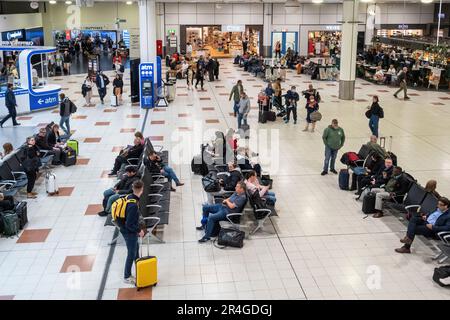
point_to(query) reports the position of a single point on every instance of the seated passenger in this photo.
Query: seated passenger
(427, 225)
(213, 214)
(253, 185)
(372, 167)
(229, 183)
(123, 187)
(244, 161)
(130, 152)
(7, 149)
(377, 178)
(6, 202)
(431, 188)
(43, 144)
(139, 135)
(379, 75)
(54, 138)
(155, 166)
(397, 185)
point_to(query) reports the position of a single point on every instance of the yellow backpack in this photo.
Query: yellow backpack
(119, 208)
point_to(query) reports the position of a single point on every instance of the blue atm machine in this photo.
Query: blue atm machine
(146, 85)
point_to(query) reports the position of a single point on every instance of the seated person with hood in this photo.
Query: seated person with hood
(123, 187)
(397, 185)
(130, 152)
(213, 214)
(427, 225)
(155, 165)
(43, 144)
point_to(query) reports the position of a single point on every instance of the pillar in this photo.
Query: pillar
(147, 30)
(370, 24)
(348, 49)
(161, 25)
(267, 30)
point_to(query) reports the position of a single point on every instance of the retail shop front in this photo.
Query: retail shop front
(398, 30)
(221, 41)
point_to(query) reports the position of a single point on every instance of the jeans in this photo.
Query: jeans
(236, 107)
(170, 174)
(270, 195)
(109, 196)
(292, 109)
(417, 226)
(64, 123)
(131, 241)
(102, 93)
(373, 124)
(240, 119)
(330, 158)
(215, 213)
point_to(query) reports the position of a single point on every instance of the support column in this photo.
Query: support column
(348, 50)
(370, 24)
(161, 25)
(267, 25)
(147, 29)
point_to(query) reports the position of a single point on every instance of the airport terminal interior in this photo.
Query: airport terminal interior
(193, 167)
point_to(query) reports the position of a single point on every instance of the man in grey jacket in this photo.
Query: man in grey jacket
(244, 109)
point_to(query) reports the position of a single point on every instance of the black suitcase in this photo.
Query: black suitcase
(262, 117)
(344, 178)
(369, 203)
(68, 157)
(270, 115)
(22, 213)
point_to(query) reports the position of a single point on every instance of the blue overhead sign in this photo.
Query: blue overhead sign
(43, 101)
(146, 85)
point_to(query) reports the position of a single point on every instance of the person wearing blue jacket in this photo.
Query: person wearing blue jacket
(291, 104)
(10, 102)
(130, 230)
(427, 225)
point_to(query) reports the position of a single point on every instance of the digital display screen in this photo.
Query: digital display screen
(147, 84)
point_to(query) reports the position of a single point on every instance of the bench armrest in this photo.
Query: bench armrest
(444, 236)
(230, 215)
(133, 161)
(159, 147)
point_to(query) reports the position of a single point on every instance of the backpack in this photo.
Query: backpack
(72, 106)
(119, 207)
(10, 222)
(381, 115)
(441, 273)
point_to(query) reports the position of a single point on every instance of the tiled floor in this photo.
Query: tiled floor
(319, 247)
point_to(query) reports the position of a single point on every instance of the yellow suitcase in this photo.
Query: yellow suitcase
(146, 270)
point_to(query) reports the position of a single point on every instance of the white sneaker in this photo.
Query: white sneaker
(131, 280)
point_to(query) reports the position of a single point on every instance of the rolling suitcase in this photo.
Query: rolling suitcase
(146, 269)
(50, 183)
(114, 102)
(344, 178)
(22, 213)
(68, 157)
(74, 145)
(270, 115)
(368, 205)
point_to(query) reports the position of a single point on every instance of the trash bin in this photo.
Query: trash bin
(170, 91)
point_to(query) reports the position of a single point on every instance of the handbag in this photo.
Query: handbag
(229, 237)
(210, 182)
(368, 114)
(315, 116)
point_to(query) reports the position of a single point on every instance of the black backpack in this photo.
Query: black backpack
(441, 273)
(210, 182)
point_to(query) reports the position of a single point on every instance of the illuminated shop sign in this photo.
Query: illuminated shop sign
(233, 28)
(16, 43)
(16, 34)
(333, 27)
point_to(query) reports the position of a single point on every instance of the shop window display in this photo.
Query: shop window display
(324, 43)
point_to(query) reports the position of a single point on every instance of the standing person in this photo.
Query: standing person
(118, 88)
(86, 90)
(216, 68)
(311, 106)
(277, 93)
(278, 49)
(189, 77)
(67, 60)
(200, 73)
(236, 94)
(211, 66)
(77, 48)
(116, 60)
(130, 230)
(66, 108)
(291, 104)
(101, 81)
(244, 45)
(244, 109)
(333, 137)
(31, 165)
(401, 77)
(10, 103)
(188, 50)
(374, 113)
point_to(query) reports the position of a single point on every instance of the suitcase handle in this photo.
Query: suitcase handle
(141, 240)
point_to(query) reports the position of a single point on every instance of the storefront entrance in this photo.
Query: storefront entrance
(286, 40)
(224, 41)
(324, 43)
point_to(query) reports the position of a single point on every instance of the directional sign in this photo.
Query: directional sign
(43, 101)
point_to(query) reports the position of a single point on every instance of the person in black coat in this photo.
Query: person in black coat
(118, 88)
(216, 68)
(10, 103)
(427, 225)
(377, 177)
(43, 144)
(123, 187)
(101, 81)
(230, 182)
(134, 151)
(31, 164)
(374, 113)
(155, 165)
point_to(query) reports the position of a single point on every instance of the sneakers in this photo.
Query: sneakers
(323, 173)
(204, 239)
(130, 280)
(334, 171)
(102, 213)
